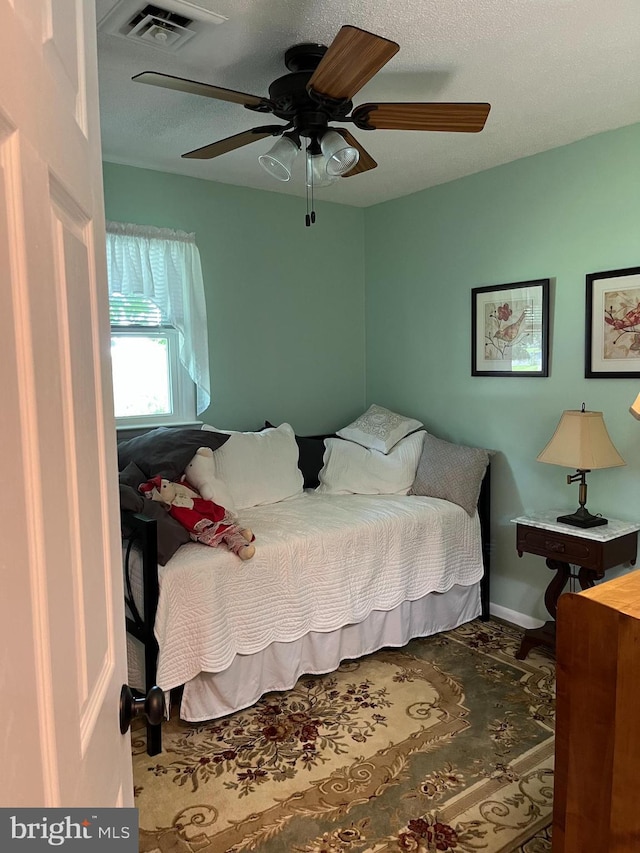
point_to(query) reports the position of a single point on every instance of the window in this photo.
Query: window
(142, 374)
(150, 385)
(159, 352)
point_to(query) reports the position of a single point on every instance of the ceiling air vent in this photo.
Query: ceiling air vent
(160, 27)
(167, 28)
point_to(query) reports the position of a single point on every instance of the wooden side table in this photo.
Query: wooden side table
(592, 550)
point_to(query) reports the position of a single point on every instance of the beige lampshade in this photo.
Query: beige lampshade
(581, 441)
(635, 408)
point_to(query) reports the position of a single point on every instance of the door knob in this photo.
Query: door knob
(150, 706)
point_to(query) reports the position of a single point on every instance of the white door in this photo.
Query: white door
(62, 652)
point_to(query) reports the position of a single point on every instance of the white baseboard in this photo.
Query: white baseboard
(520, 619)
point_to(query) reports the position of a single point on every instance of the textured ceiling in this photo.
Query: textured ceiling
(554, 71)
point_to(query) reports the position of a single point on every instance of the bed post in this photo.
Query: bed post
(141, 531)
(484, 512)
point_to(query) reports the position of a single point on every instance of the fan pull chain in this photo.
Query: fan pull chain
(307, 219)
(310, 217)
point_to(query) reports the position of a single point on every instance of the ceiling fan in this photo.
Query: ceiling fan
(318, 90)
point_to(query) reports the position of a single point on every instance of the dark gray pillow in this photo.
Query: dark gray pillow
(450, 471)
(130, 499)
(166, 452)
(170, 533)
(132, 476)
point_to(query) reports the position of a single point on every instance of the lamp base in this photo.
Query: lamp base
(582, 518)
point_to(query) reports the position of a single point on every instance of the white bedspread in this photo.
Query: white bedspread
(322, 562)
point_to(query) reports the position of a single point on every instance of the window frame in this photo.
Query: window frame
(182, 389)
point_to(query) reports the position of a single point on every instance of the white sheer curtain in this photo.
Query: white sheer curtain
(164, 266)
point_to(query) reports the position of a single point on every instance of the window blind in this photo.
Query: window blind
(135, 311)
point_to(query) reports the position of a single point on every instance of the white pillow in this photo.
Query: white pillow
(349, 469)
(259, 467)
(216, 429)
(379, 429)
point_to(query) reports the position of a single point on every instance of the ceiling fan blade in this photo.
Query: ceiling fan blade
(463, 118)
(351, 60)
(230, 143)
(167, 81)
(365, 162)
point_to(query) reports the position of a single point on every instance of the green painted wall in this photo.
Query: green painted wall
(285, 303)
(557, 215)
(287, 313)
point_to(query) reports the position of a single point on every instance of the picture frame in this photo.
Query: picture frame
(612, 324)
(510, 329)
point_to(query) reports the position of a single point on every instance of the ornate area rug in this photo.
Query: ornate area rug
(444, 745)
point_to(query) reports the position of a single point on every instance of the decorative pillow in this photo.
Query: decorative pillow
(310, 456)
(451, 471)
(379, 429)
(350, 469)
(130, 499)
(200, 475)
(132, 476)
(259, 467)
(165, 451)
(170, 533)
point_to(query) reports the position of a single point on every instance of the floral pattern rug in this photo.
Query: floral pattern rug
(443, 745)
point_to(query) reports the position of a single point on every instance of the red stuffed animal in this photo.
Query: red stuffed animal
(206, 521)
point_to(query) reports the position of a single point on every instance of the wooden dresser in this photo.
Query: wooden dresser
(597, 775)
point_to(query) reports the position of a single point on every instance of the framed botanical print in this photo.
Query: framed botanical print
(612, 335)
(510, 329)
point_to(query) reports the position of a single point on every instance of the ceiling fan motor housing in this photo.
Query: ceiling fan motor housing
(304, 57)
(310, 113)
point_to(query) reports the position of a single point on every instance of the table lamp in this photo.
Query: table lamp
(581, 441)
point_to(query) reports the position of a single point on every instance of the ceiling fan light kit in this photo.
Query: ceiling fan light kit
(332, 159)
(316, 174)
(278, 160)
(318, 90)
(340, 156)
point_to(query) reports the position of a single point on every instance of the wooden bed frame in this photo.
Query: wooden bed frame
(142, 536)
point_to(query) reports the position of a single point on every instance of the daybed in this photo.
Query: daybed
(336, 574)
